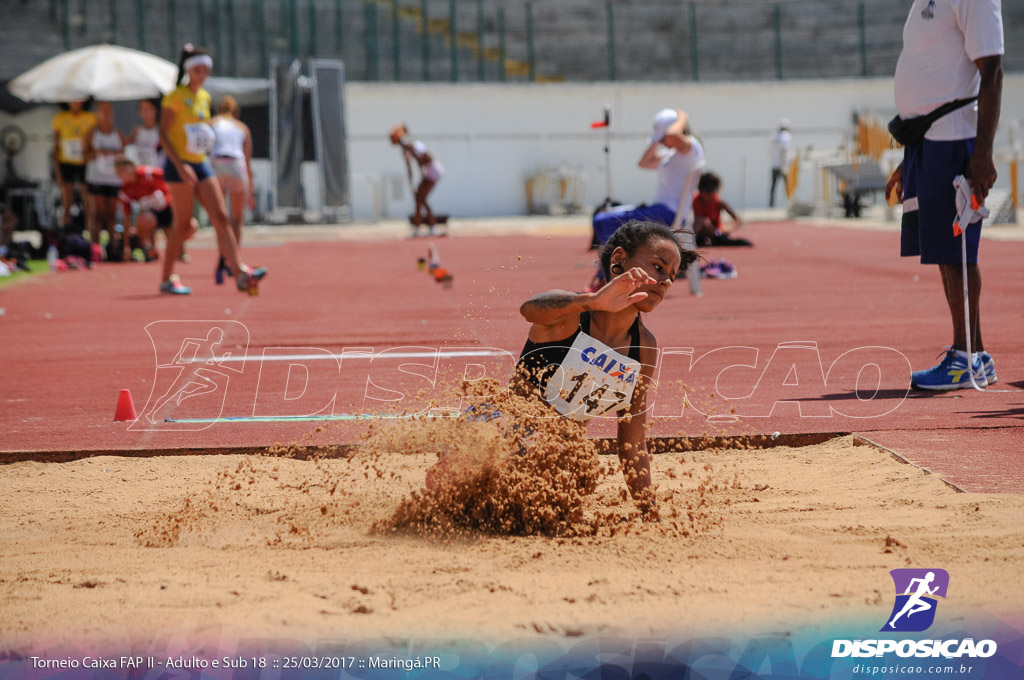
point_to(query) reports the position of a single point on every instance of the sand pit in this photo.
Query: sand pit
(108, 550)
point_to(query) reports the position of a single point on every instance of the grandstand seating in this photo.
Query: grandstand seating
(654, 40)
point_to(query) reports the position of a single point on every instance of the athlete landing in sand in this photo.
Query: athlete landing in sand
(589, 354)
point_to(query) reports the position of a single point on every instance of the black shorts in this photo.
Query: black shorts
(104, 190)
(72, 174)
(164, 218)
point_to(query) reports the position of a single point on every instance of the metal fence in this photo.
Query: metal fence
(542, 40)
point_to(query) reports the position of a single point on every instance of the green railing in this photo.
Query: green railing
(529, 40)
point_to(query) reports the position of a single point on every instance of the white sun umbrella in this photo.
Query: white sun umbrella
(104, 72)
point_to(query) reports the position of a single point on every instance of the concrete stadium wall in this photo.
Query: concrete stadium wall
(490, 137)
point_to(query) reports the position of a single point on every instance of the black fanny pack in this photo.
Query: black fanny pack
(911, 131)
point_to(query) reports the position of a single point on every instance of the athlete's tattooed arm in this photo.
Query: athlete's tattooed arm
(555, 305)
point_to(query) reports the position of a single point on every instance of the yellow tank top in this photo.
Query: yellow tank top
(71, 128)
(190, 133)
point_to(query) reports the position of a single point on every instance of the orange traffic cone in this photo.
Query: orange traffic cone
(125, 407)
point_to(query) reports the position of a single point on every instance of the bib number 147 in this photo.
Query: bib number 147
(592, 402)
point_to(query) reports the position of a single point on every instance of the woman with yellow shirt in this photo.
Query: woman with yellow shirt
(187, 137)
(69, 129)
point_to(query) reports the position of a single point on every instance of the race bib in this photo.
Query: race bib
(592, 380)
(198, 138)
(147, 157)
(72, 151)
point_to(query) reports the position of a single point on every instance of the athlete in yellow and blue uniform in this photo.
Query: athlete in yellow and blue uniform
(191, 136)
(187, 138)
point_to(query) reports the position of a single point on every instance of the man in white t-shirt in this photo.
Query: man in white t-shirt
(677, 156)
(778, 152)
(952, 49)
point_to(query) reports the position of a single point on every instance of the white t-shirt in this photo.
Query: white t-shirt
(941, 40)
(229, 138)
(676, 173)
(779, 149)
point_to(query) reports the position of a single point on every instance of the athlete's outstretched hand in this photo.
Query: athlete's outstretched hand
(621, 291)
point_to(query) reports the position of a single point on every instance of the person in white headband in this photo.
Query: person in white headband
(198, 60)
(187, 138)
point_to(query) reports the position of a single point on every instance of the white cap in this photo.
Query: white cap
(662, 121)
(784, 123)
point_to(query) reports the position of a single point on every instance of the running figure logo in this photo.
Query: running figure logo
(192, 369)
(916, 593)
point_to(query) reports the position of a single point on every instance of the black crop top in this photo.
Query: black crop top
(538, 360)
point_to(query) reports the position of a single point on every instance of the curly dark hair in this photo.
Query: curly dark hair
(635, 233)
(709, 182)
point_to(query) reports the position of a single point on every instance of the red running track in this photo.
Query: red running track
(816, 314)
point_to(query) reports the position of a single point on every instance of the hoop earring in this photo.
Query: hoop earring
(616, 269)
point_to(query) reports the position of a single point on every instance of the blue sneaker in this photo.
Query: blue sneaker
(949, 374)
(989, 364)
(172, 286)
(248, 280)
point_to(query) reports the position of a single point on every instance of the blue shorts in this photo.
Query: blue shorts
(929, 203)
(203, 170)
(607, 222)
(487, 412)
(481, 413)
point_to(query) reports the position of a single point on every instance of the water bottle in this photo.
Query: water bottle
(51, 258)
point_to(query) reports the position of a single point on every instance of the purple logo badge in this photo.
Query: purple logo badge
(916, 593)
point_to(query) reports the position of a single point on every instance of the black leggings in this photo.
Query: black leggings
(776, 174)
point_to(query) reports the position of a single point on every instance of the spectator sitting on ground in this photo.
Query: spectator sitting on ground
(144, 189)
(707, 215)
